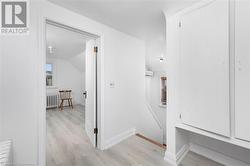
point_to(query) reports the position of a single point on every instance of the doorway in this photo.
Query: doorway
(71, 93)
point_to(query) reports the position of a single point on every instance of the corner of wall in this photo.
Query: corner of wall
(178, 147)
(175, 159)
(119, 138)
(177, 140)
(170, 158)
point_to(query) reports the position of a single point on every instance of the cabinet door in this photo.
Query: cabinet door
(204, 71)
(242, 70)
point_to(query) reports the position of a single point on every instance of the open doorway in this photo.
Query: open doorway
(71, 93)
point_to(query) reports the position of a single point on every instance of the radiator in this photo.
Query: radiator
(6, 153)
(52, 101)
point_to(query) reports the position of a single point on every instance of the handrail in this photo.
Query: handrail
(153, 114)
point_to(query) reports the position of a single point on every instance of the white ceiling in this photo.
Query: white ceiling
(143, 19)
(65, 43)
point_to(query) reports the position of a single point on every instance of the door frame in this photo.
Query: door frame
(41, 103)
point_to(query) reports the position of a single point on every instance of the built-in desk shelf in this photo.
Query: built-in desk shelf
(231, 140)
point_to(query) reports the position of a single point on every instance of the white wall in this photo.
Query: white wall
(153, 96)
(78, 61)
(122, 61)
(20, 89)
(67, 76)
(148, 127)
(154, 50)
(175, 139)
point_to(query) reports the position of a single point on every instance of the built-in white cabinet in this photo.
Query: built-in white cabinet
(209, 44)
(242, 70)
(204, 68)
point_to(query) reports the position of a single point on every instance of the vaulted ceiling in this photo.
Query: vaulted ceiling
(143, 19)
(64, 43)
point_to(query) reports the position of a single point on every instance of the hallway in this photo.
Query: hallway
(68, 145)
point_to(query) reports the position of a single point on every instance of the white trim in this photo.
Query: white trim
(162, 106)
(41, 102)
(118, 138)
(51, 87)
(216, 156)
(230, 140)
(149, 73)
(175, 160)
(182, 153)
(194, 6)
(170, 159)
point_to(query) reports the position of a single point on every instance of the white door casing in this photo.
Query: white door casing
(242, 70)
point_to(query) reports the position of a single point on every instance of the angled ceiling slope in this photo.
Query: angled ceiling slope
(143, 19)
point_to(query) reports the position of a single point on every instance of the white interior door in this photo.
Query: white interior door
(242, 70)
(204, 72)
(90, 86)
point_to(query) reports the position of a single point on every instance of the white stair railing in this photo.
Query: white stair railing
(152, 112)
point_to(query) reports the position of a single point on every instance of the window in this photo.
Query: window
(49, 74)
(163, 91)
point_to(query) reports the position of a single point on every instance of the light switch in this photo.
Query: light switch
(112, 84)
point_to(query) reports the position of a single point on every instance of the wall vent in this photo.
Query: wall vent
(52, 101)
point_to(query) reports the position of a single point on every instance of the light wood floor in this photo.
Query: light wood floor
(68, 145)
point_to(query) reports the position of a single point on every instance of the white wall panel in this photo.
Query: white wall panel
(242, 70)
(122, 61)
(204, 63)
(67, 76)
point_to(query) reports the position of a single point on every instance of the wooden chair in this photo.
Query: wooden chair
(65, 95)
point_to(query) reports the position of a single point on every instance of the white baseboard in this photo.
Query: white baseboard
(118, 138)
(215, 156)
(170, 159)
(175, 160)
(182, 153)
